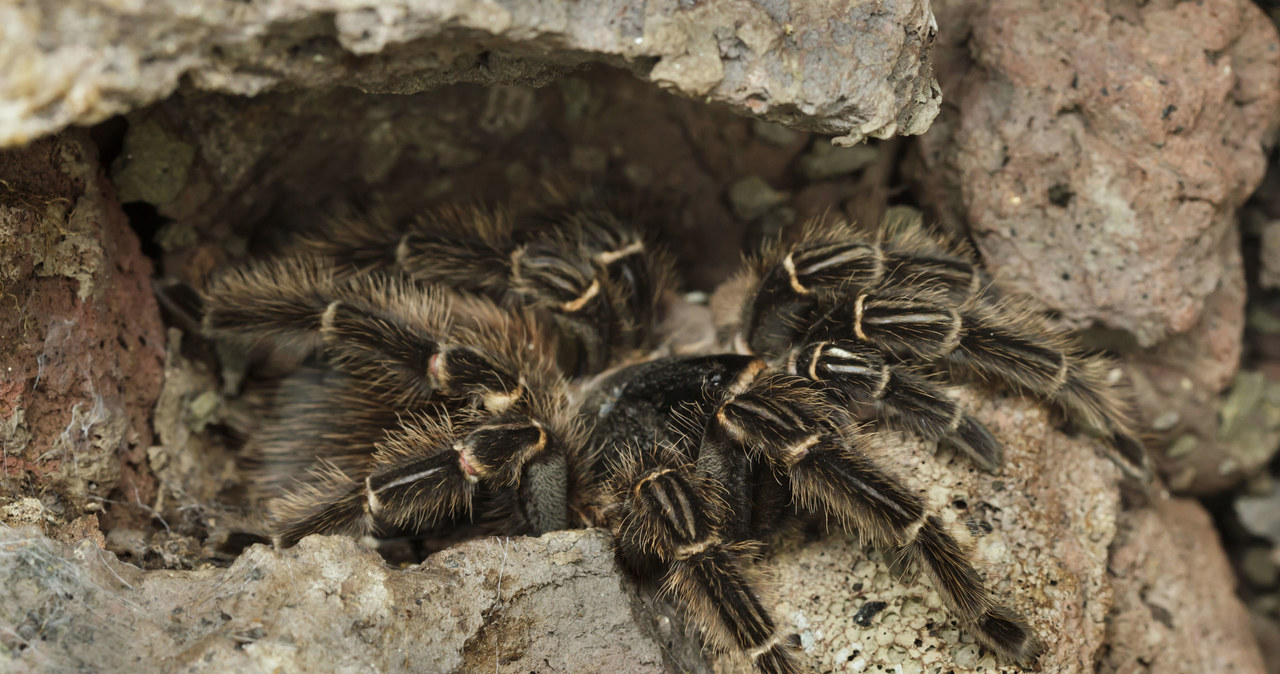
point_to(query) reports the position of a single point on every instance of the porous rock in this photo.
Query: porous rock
(1175, 603)
(852, 68)
(1098, 152)
(1261, 217)
(1215, 426)
(551, 604)
(1269, 274)
(80, 335)
(190, 467)
(1043, 529)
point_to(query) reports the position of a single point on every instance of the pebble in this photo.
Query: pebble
(1259, 568)
(824, 161)
(751, 197)
(1260, 514)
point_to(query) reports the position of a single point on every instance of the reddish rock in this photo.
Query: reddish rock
(1175, 604)
(81, 343)
(1098, 152)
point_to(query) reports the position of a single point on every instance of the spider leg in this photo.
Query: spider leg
(832, 261)
(917, 298)
(465, 247)
(670, 518)
(860, 375)
(925, 261)
(596, 275)
(993, 345)
(589, 271)
(396, 338)
(997, 345)
(789, 284)
(425, 474)
(570, 289)
(783, 422)
(412, 467)
(382, 330)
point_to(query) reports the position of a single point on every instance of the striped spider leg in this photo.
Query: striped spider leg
(916, 306)
(474, 407)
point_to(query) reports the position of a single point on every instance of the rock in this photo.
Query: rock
(191, 467)
(823, 161)
(1269, 274)
(559, 602)
(1267, 631)
(25, 512)
(80, 335)
(153, 165)
(554, 603)
(1260, 513)
(1211, 442)
(1175, 603)
(752, 197)
(278, 163)
(208, 168)
(775, 134)
(1215, 426)
(1258, 566)
(1084, 185)
(865, 66)
(1098, 153)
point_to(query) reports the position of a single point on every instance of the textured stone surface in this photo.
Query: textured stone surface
(281, 162)
(1269, 275)
(1098, 152)
(1261, 217)
(1211, 442)
(1260, 513)
(1176, 609)
(553, 604)
(852, 67)
(190, 466)
(80, 335)
(559, 603)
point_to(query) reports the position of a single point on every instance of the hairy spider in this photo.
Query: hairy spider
(484, 368)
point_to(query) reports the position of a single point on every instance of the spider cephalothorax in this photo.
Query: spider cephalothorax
(500, 370)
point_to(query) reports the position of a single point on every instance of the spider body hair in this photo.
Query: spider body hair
(782, 424)
(529, 396)
(431, 349)
(671, 514)
(597, 276)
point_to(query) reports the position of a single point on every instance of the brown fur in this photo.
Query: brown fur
(415, 378)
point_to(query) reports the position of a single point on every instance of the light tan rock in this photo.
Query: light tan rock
(850, 68)
(552, 604)
(1043, 527)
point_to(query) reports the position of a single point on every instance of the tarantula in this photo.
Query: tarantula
(503, 370)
